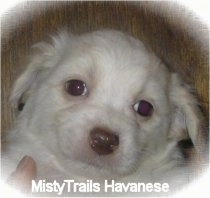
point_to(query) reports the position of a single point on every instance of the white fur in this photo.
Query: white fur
(119, 71)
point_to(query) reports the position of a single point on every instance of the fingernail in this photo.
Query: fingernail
(23, 163)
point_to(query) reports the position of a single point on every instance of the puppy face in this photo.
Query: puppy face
(103, 100)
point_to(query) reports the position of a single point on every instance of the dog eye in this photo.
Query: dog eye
(143, 108)
(76, 88)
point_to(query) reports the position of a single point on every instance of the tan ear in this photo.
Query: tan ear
(187, 121)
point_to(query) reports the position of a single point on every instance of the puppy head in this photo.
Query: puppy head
(103, 100)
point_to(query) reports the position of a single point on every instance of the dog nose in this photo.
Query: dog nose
(103, 141)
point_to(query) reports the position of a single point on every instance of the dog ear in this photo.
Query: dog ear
(187, 121)
(45, 55)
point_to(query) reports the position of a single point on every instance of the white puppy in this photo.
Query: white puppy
(102, 106)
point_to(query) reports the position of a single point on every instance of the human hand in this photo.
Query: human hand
(22, 176)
